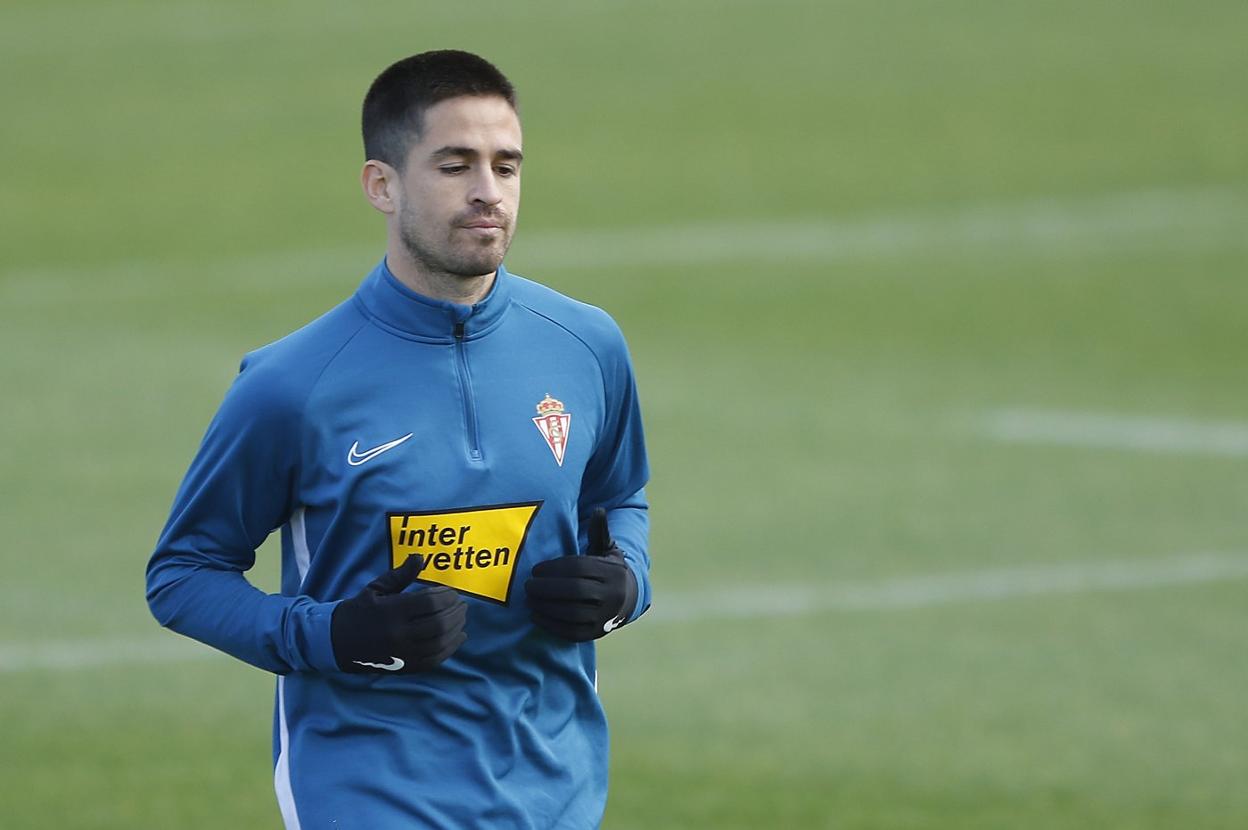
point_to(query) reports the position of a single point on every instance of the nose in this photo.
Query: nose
(485, 189)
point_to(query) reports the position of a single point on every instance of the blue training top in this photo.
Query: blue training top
(481, 437)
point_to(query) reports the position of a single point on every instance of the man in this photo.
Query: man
(448, 455)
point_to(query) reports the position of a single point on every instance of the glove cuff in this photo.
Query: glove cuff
(625, 614)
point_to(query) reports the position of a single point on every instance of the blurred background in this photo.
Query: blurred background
(939, 315)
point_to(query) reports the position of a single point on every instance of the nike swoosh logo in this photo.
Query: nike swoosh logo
(394, 665)
(611, 625)
(355, 458)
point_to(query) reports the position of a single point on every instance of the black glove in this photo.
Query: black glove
(584, 597)
(382, 630)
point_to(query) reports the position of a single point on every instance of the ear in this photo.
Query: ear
(381, 185)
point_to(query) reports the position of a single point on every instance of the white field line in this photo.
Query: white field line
(1120, 432)
(949, 589)
(1113, 222)
(85, 653)
(760, 601)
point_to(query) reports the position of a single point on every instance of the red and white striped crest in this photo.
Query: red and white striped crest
(554, 424)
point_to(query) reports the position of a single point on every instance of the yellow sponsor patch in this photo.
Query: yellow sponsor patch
(471, 549)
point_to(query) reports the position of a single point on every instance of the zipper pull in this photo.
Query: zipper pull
(459, 330)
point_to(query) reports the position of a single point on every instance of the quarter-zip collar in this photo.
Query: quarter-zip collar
(396, 306)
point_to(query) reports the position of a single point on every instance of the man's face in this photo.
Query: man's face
(461, 187)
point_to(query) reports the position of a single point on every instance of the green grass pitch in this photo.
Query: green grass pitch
(843, 239)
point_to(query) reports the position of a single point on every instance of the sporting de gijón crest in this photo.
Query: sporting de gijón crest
(554, 424)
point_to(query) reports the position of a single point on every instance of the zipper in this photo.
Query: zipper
(465, 391)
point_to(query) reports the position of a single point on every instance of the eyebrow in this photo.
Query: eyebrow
(467, 152)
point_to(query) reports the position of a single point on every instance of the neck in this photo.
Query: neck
(437, 285)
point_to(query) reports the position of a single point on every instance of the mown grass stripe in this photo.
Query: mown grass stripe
(760, 601)
(1193, 218)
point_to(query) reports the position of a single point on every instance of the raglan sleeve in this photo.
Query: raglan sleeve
(239, 488)
(618, 469)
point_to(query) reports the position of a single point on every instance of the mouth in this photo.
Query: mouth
(483, 229)
(490, 220)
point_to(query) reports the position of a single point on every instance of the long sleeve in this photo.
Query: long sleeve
(619, 469)
(239, 488)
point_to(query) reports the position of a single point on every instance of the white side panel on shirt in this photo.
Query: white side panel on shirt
(281, 772)
(299, 538)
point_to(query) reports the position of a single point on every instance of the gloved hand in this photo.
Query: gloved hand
(383, 630)
(582, 598)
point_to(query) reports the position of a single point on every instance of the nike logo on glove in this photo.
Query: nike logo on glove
(611, 625)
(394, 665)
(355, 458)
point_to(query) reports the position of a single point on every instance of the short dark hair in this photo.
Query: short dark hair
(395, 105)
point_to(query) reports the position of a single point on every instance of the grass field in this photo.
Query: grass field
(940, 313)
